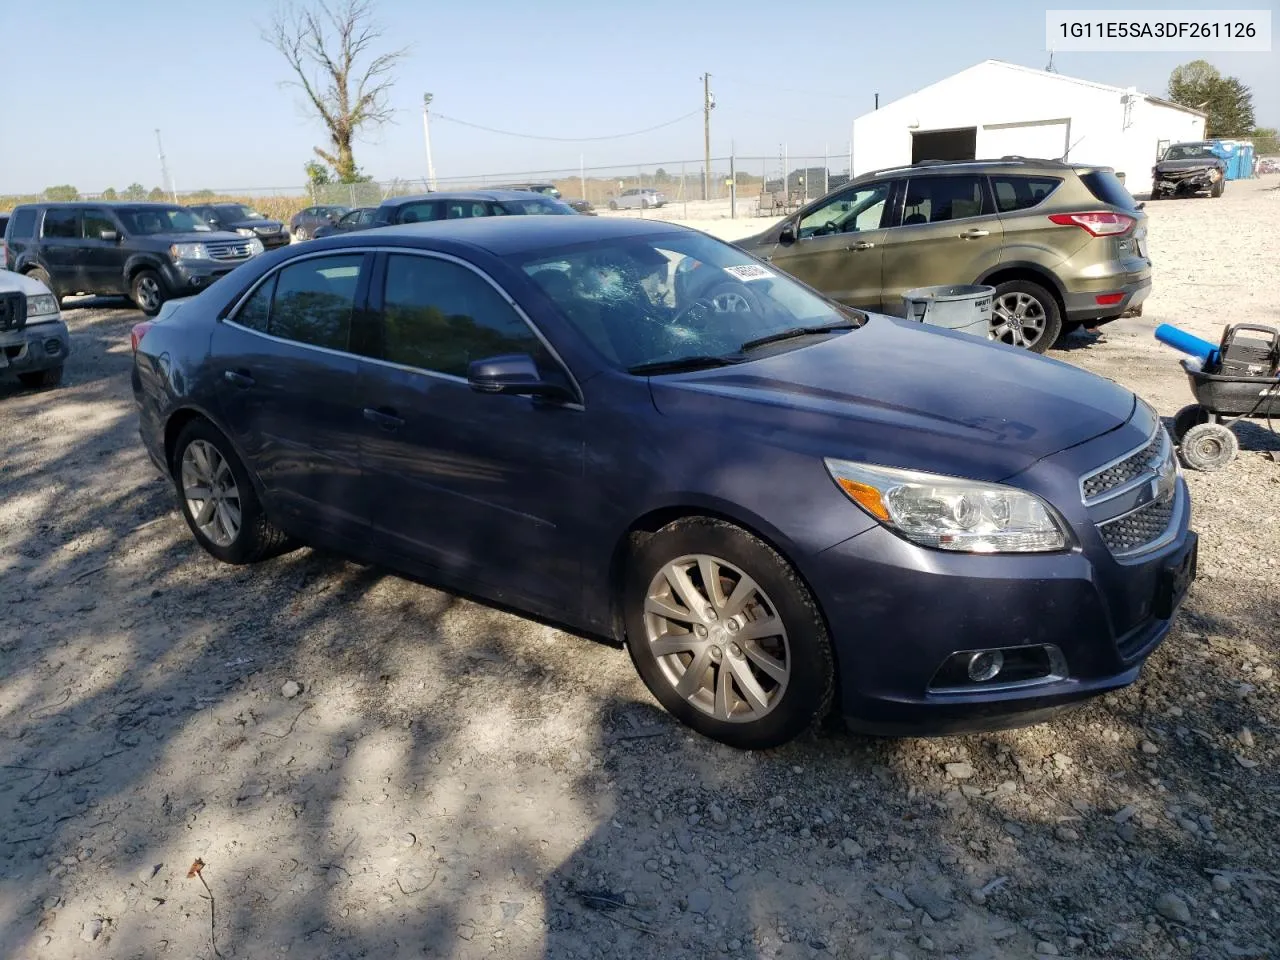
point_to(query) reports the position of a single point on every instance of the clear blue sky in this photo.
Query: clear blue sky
(102, 76)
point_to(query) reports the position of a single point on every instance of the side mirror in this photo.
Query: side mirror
(108, 235)
(513, 375)
(787, 234)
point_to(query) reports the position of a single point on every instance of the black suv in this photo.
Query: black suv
(237, 218)
(151, 252)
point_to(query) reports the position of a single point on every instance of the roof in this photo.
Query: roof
(505, 236)
(925, 167)
(458, 195)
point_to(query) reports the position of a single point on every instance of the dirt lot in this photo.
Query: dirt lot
(454, 781)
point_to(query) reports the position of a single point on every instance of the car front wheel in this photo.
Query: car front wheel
(148, 292)
(726, 635)
(218, 498)
(1025, 314)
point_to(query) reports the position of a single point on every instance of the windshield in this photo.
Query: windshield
(537, 205)
(674, 297)
(547, 190)
(1189, 151)
(150, 220)
(235, 212)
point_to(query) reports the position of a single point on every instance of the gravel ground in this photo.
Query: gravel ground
(370, 767)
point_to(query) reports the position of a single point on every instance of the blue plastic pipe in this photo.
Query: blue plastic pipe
(1171, 336)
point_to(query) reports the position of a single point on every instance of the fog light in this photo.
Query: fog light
(53, 347)
(983, 666)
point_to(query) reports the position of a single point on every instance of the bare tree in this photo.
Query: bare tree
(330, 49)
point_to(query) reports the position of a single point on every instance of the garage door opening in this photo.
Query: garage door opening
(944, 144)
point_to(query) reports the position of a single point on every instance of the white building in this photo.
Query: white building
(999, 109)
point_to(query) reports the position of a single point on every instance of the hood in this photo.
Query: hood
(258, 226)
(1196, 163)
(194, 236)
(11, 282)
(899, 394)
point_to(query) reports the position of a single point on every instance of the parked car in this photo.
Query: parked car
(149, 252)
(361, 218)
(550, 190)
(583, 207)
(638, 198)
(1064, 245)
(34, 343)
(1187, 169)
(778, 510)
(247, 222)
(304, 223)
(462, 205)
(4, 222)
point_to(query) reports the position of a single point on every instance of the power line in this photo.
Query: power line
(774, 89)
(532, 136)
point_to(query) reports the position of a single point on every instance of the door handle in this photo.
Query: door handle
(238, 378)
(860, 245)
(384, 417)
(974, 234)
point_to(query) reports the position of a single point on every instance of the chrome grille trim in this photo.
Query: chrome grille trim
(229, 249)
(1134, 533)
(1126, 471)
(1147, 526)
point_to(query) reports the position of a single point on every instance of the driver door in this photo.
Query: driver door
(838, 245)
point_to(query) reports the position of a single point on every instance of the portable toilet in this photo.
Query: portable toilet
(1238, 155)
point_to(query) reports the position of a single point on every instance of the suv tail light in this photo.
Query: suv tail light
(1100, 223)
(137, 333)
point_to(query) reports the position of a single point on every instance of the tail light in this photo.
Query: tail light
(1098, 224)
(137, 333)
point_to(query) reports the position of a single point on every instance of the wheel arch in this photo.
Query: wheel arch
(139, 262)
(178, 419)
(1031, 272)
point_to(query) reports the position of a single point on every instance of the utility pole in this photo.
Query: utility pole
(426, 136)
(164, 169)
(708, 104)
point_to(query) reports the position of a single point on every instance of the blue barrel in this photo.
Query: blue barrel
(1203, 350)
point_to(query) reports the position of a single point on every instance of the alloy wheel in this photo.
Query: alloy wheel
(210, 491)
(147, 294)
(717, 637)
(1019, 319)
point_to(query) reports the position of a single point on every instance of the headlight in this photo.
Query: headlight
(41, 305)
(951, 513)
(189, 251)
(244, 231)
(255, 247)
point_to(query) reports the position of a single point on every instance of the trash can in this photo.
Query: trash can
(965, 308)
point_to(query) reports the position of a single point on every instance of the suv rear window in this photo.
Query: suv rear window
(1104, 185)
(1022, 193)
(23, 224)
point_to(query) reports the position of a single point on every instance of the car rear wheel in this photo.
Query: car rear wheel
(41, 378)
(148, 292)
(726, 635)
(1025, 314)
(613, 204)
(1209, 447)
(218, 498)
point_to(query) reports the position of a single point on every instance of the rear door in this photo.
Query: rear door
(287, 389)
(60, 245)
(839, 245)
(422, 212)
(102, 259)
(946, 233)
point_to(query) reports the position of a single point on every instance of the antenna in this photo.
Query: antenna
(164, 169)
(1049, 68)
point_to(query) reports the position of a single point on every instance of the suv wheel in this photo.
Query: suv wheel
(726, 635)
(613, 204)
(1025, 314)
(148, 292)
(41, 275)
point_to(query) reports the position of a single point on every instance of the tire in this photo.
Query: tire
(254, 538)
(1219, 189)
(1209, 447)
(41, 275)
(644, 204)
(1037, 306)
(1189, 416)
(613, 204)
(791, 668)
(301, 235)
(39, 379)
(148, 292)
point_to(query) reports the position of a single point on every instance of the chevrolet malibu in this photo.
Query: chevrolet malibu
(780, 505)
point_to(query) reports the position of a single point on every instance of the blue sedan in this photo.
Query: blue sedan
(782, 506)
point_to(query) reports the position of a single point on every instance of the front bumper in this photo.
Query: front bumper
(1169, 186)
(188, 277)
(898, 612)
(36, 347)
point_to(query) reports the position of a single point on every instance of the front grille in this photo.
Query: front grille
(229, 250)
(1145, 461)
(1130, 533)
(267, 231)
(13, 311)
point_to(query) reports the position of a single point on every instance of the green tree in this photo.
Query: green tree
(1227, 102)
(330, 51)
(135, 191)
(661, 176)
(109, 193)
(63, 191)
(318, 174)
(157, 195)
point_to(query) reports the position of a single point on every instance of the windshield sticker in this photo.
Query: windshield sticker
(748, 271)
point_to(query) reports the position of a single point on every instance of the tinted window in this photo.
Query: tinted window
(1104, 185)
(418, 212)
(939, 199)
(256, 311)
(23, 225)
(464, 209)
(1020, 193)
(859, 208)
(440, 316)
(534, 206)
(61, 223)
(95, 221)
(155, 220)
(313, 301)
